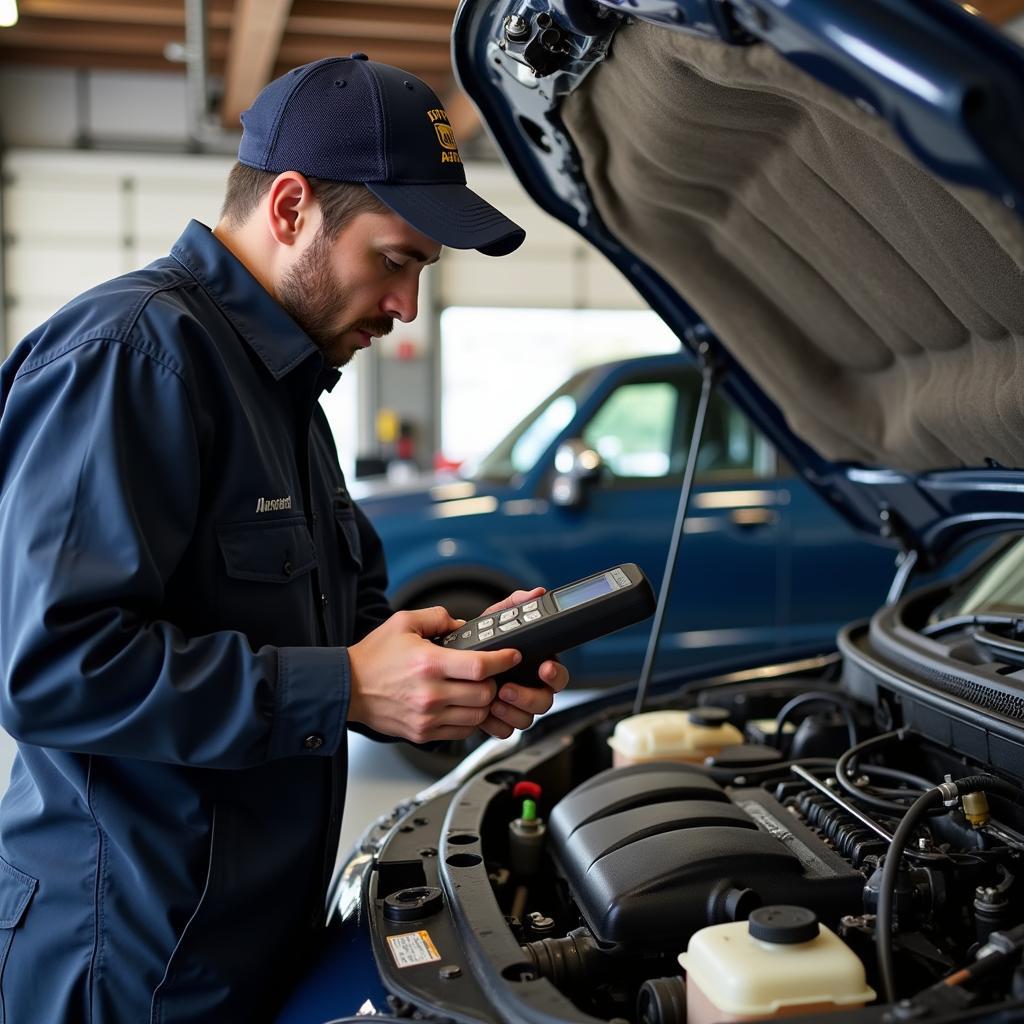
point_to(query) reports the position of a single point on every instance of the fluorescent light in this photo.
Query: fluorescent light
(8, 13)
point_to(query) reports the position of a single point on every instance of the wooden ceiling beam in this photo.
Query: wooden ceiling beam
(405, 31)
(99, 39)
(328, 17)
(125, 12)
(69, 57)
(134, 34)
(420, 55)
(322, 18)
(256, 34)
(435, 5)
(297, 50)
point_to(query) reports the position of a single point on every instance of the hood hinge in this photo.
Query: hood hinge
(538, 41)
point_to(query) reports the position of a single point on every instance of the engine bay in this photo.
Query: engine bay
(840, 834)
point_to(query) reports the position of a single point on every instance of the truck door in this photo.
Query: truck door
(725, 596)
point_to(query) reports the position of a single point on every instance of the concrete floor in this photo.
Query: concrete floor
(379, 777)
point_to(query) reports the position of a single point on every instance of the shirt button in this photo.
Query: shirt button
(323, 600)
(315, 518)
(287, 568)
(313, 742)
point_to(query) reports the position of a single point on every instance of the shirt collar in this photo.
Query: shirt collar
(257, 316)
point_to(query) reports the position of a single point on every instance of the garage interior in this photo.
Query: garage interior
(119, 120)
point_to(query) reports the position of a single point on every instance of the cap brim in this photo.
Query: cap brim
(453, 215)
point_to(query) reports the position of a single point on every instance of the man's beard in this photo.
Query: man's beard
(313, 296)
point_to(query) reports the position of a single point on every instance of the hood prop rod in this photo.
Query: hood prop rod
(909, 559)
(709, 377)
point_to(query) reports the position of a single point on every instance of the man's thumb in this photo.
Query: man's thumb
(431, 622)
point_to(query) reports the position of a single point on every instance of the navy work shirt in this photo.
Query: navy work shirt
(181, 568)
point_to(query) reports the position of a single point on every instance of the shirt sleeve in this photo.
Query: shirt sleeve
(372, 606)
(99, 477)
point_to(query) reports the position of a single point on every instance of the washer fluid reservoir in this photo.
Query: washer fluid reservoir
(780, 963)
(686, 736)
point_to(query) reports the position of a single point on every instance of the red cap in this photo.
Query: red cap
(526, 790)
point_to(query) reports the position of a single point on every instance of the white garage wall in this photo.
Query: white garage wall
(74, 219)
(554, 267)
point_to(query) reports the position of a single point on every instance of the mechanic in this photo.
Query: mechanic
(191, 606)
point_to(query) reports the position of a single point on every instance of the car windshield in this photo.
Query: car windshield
(996, 588)
(520, 449)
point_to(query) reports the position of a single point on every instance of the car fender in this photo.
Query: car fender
(470, 564)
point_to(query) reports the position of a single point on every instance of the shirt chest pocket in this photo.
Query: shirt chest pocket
(272, 552)
(265, 589)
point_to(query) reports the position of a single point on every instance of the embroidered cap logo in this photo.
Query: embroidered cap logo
(445, 136)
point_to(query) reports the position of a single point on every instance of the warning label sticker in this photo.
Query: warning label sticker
(412, 948)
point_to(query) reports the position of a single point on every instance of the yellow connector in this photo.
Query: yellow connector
(976, 810)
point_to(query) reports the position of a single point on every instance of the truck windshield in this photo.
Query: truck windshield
(520, 449)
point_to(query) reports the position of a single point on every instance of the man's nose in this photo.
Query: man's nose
(402, 302)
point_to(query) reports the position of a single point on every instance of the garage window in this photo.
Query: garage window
(497, 364)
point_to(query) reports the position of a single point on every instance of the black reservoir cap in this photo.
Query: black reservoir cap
(784, 925)
(708, 716)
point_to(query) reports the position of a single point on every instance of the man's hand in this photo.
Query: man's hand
(404, 685)
(517, 706)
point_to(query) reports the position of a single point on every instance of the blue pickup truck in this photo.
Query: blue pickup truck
(591, 477)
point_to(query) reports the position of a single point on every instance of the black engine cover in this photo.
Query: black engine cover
(654, 853)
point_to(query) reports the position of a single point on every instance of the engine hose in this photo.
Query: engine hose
(846, 766)
(571, 963)
(920, 784)
(917, 811)
(838, 701)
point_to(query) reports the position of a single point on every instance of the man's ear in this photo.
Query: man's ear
(291, 208)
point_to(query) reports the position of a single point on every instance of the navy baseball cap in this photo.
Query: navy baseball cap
(354, 119)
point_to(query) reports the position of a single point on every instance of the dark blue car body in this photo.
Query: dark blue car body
(762, 550)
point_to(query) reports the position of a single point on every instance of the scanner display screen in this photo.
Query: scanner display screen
(579, 593)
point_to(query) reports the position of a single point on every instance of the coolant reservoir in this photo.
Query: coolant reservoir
(780, 963)
(687, 736)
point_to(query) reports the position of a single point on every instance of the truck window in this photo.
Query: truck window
(642, 431)
(632, 431)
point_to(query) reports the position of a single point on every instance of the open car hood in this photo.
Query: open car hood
(822, 199)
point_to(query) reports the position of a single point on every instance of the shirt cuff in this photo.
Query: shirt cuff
(310, 702)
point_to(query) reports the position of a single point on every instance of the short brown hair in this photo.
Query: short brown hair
(339, 201)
